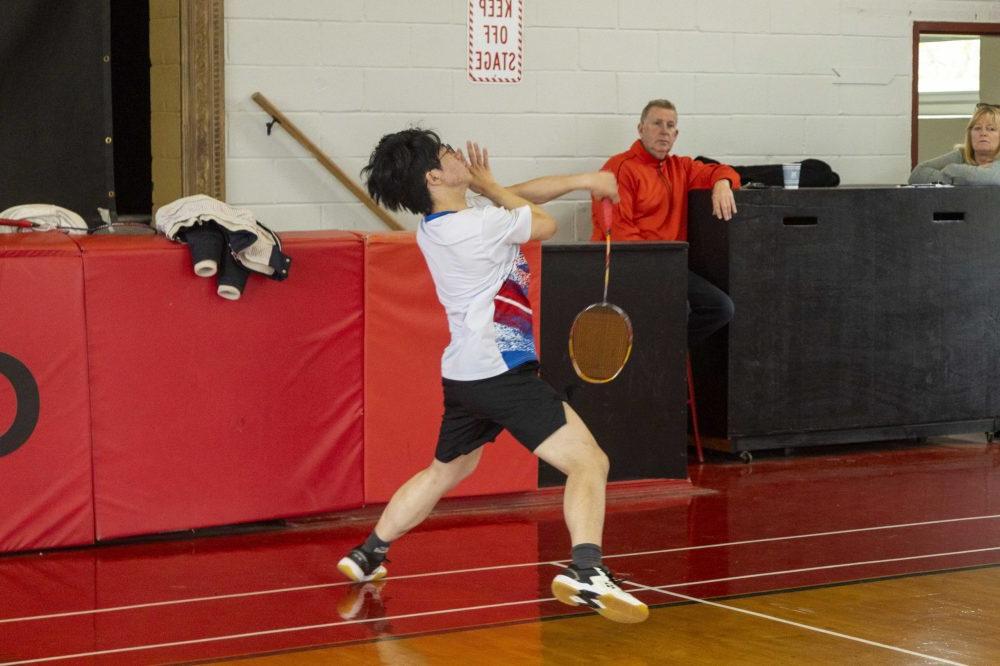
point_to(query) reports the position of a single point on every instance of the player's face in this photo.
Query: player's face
(658, 131)
(455, 169)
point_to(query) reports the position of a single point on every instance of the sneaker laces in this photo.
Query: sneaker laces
(616, 579)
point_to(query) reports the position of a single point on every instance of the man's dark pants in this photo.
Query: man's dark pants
(709, 309)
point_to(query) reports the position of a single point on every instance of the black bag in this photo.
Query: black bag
(815, 173)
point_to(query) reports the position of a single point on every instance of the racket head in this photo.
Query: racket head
(600, 342)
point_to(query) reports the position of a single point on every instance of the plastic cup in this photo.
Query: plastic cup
(790, 172)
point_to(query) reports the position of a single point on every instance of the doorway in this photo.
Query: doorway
(955, 65)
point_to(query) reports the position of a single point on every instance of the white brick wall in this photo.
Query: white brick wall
(756, 81)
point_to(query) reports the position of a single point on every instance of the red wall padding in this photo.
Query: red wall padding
(211, 412)
(165, 407)
(405, 334)
(45, 484)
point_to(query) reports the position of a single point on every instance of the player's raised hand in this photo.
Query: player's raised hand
(479, 166)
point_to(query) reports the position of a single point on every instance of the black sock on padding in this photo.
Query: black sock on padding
(586, 555)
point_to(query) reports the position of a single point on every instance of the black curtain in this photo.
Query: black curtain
(131, 106)
(55, 105)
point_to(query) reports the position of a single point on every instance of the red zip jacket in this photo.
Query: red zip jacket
(654, 194)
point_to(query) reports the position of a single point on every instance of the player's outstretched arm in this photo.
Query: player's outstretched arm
(600, 184)
(543, 225)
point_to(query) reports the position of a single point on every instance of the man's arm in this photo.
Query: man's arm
(600, 184)
(723, 201)
(543, 225)
(722, 178)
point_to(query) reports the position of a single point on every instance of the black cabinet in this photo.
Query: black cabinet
(861, 314)
(639, 419)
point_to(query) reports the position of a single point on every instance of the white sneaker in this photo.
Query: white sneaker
(597, 588)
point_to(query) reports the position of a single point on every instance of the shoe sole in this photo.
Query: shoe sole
(608, 606)
(349, 568)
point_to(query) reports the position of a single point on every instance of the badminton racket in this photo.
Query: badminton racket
(114, 227)
(600, 340)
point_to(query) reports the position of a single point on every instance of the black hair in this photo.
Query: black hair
(397, 169)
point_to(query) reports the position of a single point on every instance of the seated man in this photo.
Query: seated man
(653, 186)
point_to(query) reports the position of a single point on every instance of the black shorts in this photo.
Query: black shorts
(476, 411)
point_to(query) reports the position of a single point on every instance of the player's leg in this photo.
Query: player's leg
(412, 503)
(463, 432)
(409, 506)
(586, 582)
(573, 451)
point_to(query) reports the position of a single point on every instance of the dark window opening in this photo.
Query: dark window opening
(130, 95)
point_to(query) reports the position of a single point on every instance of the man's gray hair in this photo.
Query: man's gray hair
(656, 104)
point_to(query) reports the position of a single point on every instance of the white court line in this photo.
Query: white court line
(824, 567)
(806, 536)
(807, 627)
(319, 586)
(269, 632)
(328, 625)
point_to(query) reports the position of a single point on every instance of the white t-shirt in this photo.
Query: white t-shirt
(482, 279)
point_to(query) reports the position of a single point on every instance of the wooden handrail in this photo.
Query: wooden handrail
(337, 172)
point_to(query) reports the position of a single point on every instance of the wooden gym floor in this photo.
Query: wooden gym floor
(883, 553)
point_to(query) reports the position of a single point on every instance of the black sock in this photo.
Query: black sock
(586, 555)
(373, 545)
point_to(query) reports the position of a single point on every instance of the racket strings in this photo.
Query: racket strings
(600, 342)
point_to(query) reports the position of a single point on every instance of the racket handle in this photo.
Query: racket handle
(24, 224)
(607, 213)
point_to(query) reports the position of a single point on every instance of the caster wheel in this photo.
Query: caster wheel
(991, 437)
(746, 457)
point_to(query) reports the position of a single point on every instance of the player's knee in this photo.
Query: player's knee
(452, 473)
(588, 457)
(601, 462)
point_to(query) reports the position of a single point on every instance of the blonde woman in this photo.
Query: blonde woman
(972, 163)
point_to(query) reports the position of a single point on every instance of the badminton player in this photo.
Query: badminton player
(490, 369)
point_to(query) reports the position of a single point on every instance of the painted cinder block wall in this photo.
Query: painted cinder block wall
(755, 81)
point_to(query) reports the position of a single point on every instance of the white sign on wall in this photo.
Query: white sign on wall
(496, 43)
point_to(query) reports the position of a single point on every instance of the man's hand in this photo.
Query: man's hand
(723, 202)
(604, 185)
(479, 167)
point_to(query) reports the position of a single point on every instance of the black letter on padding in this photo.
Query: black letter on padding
(26, 393)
